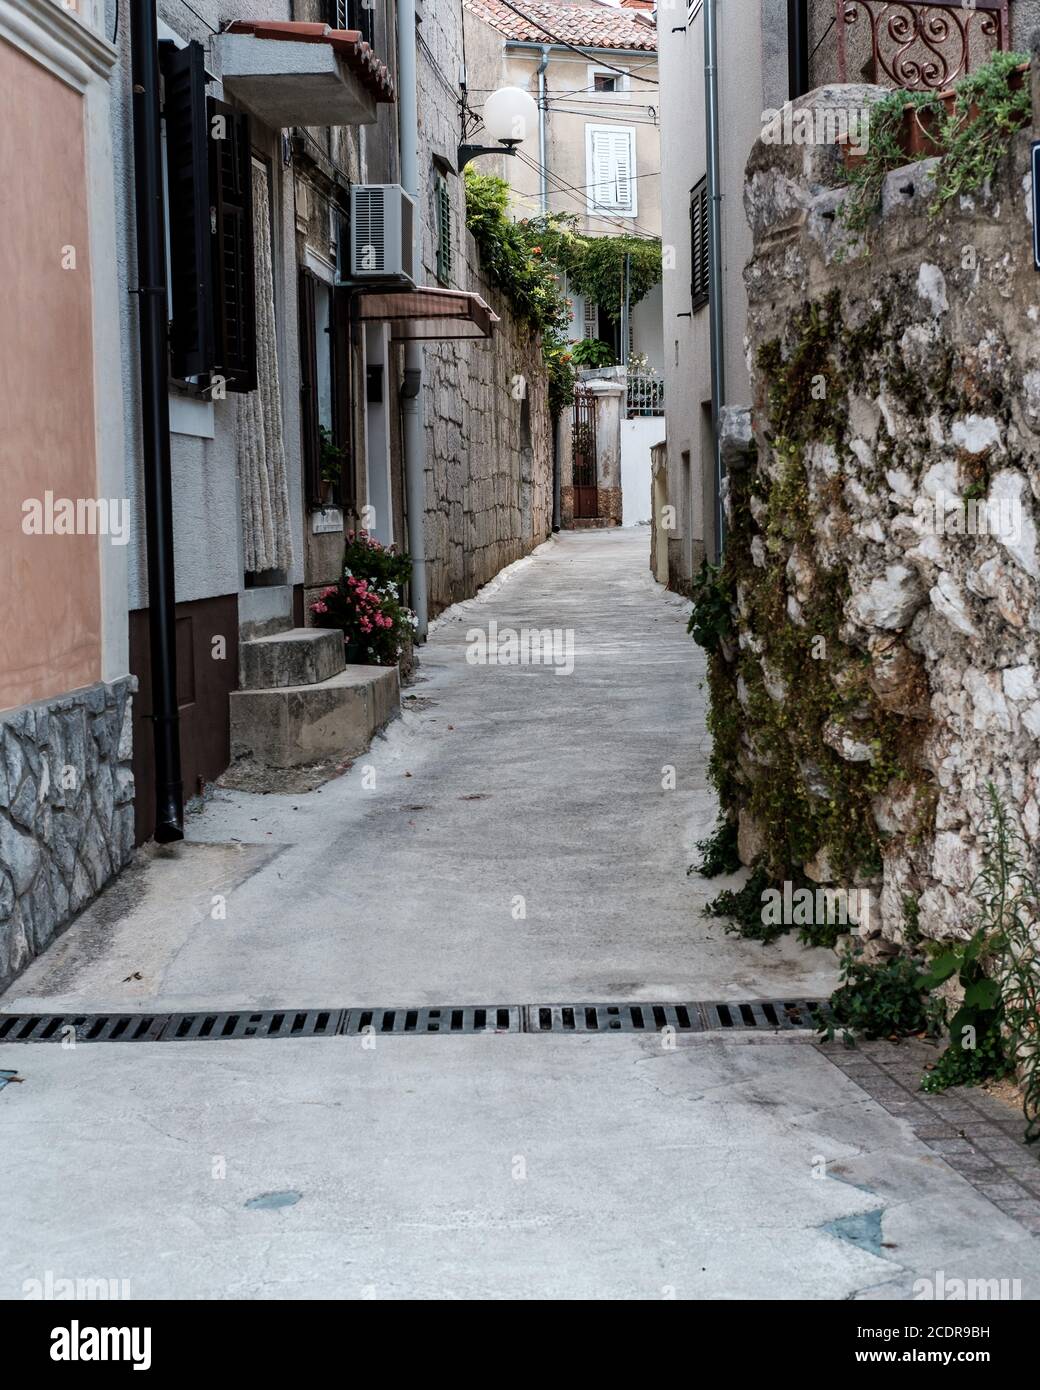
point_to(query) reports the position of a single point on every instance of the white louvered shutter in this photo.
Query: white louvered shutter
(611, 170)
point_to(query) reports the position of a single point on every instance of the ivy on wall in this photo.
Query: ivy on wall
(774, 695)
(528, 259)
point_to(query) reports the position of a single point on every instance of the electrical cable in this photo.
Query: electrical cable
(563, 43)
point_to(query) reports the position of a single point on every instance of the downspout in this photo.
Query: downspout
(412, 394)
(718, 364)
(557, 478)
(155, 422)
(797, 49)
(541, 129)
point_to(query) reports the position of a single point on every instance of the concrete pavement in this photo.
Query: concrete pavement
(398, 883)
(488, 1166)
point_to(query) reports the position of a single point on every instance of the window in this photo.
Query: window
(326, 396)
(699, 245)
(606, 81)
(610, 158)
(210, 203)
(442, 208)
(353, 14)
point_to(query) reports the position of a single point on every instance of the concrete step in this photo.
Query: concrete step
(298, 725)
(301, 656)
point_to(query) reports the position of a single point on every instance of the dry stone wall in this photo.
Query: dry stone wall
(882, 666)
(66, 812)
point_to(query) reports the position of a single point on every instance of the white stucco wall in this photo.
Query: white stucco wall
(752, 75)
(638, 438)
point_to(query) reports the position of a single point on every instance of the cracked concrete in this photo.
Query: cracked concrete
(487, 1167)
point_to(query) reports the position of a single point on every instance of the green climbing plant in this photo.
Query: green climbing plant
(994, 1032)
(972, 132)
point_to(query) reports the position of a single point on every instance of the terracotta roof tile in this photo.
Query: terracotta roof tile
(598, 26)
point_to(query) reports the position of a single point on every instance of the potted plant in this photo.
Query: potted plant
(593, 352)
(330, 462)
(365, 603)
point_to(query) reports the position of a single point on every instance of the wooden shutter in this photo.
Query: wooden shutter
(699, 269)
(188, 204)
(309, 421)
(231, 195)
(343, 396)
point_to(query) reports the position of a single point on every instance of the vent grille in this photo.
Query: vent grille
(761, 1015)
(369, 219)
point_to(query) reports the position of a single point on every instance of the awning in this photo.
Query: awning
(428, 313)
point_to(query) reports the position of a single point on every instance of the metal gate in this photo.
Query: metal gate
(586, 498)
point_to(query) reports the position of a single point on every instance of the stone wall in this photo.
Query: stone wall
(489, 451)
(66, 812)
(485, 404)
(883, 664)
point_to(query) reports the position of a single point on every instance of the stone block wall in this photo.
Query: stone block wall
(66, 812)
(883, 665)
(489, 451)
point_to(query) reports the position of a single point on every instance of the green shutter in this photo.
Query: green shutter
(444, 246)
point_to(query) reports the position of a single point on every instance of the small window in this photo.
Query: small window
(442, 202)
(607, 81)
(699, 270)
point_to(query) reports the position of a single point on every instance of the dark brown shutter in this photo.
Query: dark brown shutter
(310, 437)
(231, 195)
(699, 285)
(188, 198)
(343, 396)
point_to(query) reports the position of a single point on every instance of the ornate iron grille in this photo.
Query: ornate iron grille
(918, 44)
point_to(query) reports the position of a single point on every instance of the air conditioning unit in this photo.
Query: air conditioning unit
(382, 233)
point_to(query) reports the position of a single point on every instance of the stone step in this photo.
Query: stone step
(298, 725)
(301, 656)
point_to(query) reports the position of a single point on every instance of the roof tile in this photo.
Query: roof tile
(598, 26)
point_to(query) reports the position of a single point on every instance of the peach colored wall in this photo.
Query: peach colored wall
(50, 601)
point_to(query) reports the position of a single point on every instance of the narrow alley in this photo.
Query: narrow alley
(507, 842)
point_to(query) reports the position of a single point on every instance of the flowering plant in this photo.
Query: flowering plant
(366, 602)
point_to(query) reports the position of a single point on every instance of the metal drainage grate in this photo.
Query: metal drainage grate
(271, 1023)
(682, 1018)
(84, 1027)
(494, 1019)
(764, 1015)
(772, 1013)
(613, 1018)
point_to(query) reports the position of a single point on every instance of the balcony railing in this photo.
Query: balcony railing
(645, 394)
(919, 45)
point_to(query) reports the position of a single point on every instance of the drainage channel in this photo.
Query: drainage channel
(763, 1016)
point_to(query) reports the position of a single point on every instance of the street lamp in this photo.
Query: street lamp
(510, 115)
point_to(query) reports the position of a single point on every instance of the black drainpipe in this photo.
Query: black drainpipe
(155, 421)
(797, 48)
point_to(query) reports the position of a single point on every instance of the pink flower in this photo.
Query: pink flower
(319, 607)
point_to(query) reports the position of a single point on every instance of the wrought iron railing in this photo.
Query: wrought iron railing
(917, 44)
(645, 394)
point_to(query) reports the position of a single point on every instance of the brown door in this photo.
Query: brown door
(586, 497)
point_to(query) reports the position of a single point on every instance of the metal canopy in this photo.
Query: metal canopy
(428, 314)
